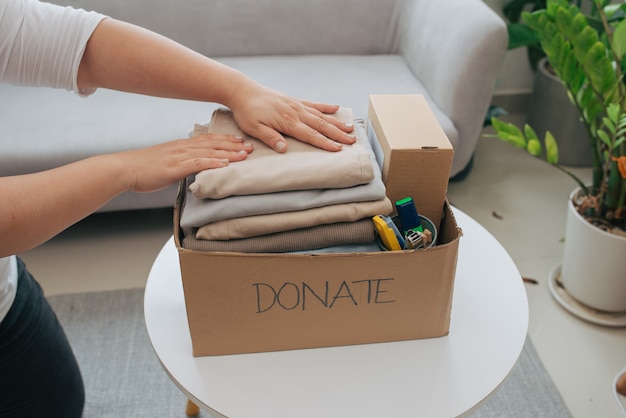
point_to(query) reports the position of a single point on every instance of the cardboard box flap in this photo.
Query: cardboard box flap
(417, 153)
(408, 120)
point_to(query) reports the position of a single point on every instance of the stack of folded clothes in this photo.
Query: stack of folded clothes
(306, 199)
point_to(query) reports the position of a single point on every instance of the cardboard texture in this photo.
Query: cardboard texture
(243, 303)
(418, 154)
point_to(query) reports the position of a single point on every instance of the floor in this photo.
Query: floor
(519, 199)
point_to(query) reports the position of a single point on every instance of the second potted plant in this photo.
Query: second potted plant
(550, 108)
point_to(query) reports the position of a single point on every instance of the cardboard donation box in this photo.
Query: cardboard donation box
(245, 302)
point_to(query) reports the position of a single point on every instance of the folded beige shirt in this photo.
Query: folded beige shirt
(252, 226)
(302, 167)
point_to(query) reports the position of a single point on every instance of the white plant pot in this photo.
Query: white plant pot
(594, 264)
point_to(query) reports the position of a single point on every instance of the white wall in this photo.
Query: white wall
(516, 76)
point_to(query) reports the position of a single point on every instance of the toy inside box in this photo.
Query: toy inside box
(256, 302)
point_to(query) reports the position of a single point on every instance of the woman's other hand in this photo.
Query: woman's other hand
(267, 115)
(156, 167)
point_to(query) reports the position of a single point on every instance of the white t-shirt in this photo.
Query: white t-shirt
(40, 45)
(8, 284)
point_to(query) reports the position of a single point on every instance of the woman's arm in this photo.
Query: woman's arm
(120, 56)
(36, 207)
(125, 57)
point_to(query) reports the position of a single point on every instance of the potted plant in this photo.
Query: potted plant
(549, 107)
(590, 62)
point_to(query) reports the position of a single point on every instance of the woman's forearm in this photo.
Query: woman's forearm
(38, 206)
(125, 57)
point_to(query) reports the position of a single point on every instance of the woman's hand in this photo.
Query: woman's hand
(266, 114)
(153, 168)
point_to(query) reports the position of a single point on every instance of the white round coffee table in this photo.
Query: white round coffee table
(441, 377)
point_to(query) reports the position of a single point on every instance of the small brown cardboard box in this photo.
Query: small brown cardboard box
(418, 154)
(243, 303)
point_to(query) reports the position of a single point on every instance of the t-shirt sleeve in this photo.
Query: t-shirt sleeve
(42, 44)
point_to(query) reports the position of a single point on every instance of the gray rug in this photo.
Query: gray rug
(123, 378)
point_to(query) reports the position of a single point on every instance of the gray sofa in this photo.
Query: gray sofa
(337, 51)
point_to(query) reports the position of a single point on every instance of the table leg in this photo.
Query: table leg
(192, 409)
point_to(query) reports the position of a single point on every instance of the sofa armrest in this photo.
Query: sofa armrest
(456, 49)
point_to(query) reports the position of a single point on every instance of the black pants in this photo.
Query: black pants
(39, 376)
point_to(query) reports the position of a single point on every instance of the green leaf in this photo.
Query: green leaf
(619, 39)
(585, 96)
(529, 18)
(609, 124)
(568, 69)
(604, 137)
(579, 28)
(534, 147)
(579, 80)
(620, 132)
(612, 9)
(552, 149)
(521, 35)
(613, 111)
(562, 18)
(553, 5)
(599, 68)
(592, 111)
(509, 132)
(530, 133)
